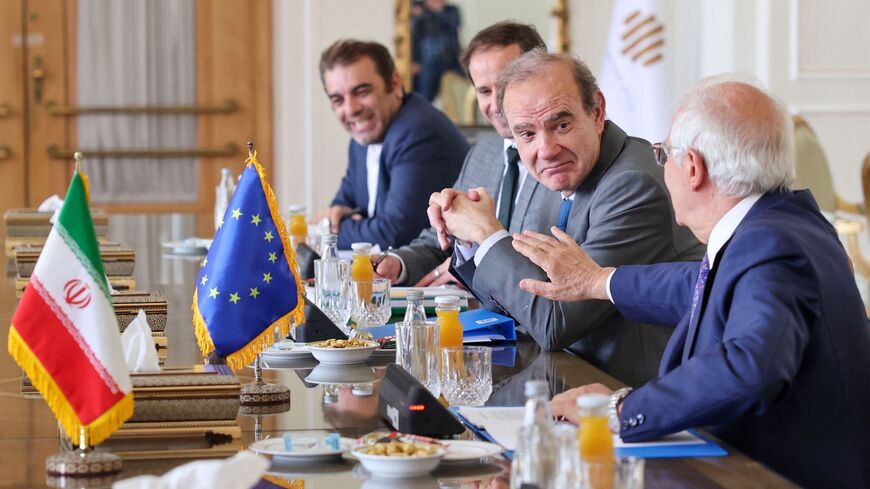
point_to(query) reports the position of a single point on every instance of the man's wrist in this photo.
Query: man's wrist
(602, 287)
(486, 230)
(614, 408)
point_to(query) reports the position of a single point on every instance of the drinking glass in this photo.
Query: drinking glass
(333, 290)
(371, 302)
(466, 375)
(568, 474)
(622, 473)
(417, 347)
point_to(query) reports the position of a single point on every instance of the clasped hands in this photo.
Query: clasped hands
(467, 216)
(573, 274)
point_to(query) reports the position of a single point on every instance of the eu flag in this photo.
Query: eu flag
(248, 283)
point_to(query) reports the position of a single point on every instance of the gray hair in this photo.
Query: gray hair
(745, 135)
(534, 62)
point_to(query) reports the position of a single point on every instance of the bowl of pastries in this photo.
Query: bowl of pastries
(399, 459)
(342, 352)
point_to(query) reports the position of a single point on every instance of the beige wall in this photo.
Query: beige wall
(790, 45)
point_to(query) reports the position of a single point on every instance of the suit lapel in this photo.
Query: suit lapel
(530, 186)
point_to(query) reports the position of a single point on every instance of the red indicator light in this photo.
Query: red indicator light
(416, 407)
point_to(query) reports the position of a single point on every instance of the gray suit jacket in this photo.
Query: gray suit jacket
(621, 215)
(483, 167)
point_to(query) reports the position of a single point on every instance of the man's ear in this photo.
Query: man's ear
(697, 168)
(396, 83)
(599, 113)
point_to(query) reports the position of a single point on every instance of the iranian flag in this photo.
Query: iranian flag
(64, 333)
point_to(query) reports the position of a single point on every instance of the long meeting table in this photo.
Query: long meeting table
(29, 434)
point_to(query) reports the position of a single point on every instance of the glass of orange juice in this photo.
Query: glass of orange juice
(298, 227)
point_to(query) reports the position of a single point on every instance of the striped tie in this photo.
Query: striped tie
(564, 212)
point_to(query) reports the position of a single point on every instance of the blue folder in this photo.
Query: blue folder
(475, 324)
(689, 450)
(706, 449)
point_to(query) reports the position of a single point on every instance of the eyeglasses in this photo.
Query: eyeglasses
(662, 151)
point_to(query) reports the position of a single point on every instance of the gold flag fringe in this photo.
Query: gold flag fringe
(281, 482)
(245, 355)
(96, 431)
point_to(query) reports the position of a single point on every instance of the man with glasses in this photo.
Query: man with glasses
(609, 196)
(771, 345)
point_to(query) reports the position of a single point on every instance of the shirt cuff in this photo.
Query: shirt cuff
(609, 278)
(463, 253)
(403, 274)
(489, 243)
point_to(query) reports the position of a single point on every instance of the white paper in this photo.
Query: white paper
(681, 438)
(137, 343)
(428, 292)
(502, 423)
(50, 204)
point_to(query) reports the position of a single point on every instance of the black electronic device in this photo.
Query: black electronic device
(305, 256)
(317, 326)
(410, 408)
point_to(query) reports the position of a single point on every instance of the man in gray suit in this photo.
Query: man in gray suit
(493, 163)
(612, 200)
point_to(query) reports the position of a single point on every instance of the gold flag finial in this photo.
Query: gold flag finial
(78, 157)
(252, 154)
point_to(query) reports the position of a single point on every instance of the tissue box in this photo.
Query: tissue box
(29, 223)
(118, 263)
(194, 395)
(31, 227)
(118, 259)
(128, 303)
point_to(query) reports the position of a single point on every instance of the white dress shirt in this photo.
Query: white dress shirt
(721, 233)
(373, 171)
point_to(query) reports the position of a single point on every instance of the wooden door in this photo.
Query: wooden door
(234, 99)
(12, 168)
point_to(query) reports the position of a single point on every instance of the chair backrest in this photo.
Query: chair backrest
(452, 96)
(811, 166)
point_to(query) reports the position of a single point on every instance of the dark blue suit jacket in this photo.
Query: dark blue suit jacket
(423, 153)
(777, 362)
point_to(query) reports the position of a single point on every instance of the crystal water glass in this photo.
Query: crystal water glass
(371, 302)
(417, 349)
(466, 375)
(333, 290)
(568, 466)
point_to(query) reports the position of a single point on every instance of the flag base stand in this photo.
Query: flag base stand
(81, 464)
(262, 393)
(261, 410)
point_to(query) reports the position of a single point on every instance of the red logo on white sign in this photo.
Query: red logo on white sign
(78, 293)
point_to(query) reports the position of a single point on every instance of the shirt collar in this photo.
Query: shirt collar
(725, 227)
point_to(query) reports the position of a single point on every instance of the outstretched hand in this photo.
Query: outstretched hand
(573, 274)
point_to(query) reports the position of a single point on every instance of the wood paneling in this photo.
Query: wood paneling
(234, 59)
(47, 24)
(12, 169)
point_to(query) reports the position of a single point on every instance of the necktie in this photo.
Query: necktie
(508, 192)
(564, 212)
(699, 286)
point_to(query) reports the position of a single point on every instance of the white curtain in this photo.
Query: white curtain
(139, 53)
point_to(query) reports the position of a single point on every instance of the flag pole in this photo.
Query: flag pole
(83, 461)
(259, 393)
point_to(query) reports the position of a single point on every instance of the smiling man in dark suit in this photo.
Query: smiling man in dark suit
(771, 346)
(402, 147)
